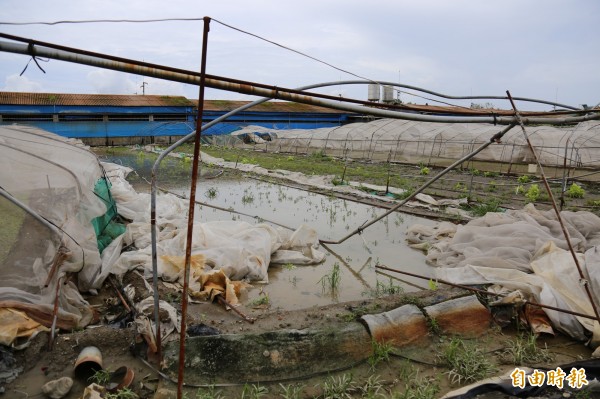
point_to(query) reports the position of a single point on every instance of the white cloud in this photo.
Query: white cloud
(457, 47)
(111, 82)
(21, 83)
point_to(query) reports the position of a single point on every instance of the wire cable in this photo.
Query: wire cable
(93, 21)
(226, 25)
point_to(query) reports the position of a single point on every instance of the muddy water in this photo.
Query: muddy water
(299, 287)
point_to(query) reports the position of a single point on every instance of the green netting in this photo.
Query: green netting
(106, 228)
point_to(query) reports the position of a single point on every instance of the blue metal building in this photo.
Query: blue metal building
(100, 119)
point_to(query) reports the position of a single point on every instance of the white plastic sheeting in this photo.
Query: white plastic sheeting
(55, 177)
(411, 141)
(523, 250)
(240, 249)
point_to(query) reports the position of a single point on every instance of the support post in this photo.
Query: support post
(192, 206)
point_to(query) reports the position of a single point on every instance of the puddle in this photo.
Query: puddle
(298, 287)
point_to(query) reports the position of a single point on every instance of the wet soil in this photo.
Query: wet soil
(406, 368)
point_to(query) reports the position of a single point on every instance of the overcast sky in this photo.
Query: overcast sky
(543, 49)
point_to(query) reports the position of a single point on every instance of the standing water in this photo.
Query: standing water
(294, 287)
(353, 261)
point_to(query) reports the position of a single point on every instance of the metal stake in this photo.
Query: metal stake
(582, 278)
(192, 206)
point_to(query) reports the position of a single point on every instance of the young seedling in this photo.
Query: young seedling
(330, 282)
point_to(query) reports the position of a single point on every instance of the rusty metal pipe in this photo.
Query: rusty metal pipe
(54, 315)
(224, 302)
(191, 208)
(261, 90)
(344, 82)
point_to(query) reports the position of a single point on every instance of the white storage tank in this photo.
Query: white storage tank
(373, 92)
(388, 94)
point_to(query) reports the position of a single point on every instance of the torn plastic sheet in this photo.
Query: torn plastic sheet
(524, 250)
(241, 250)
(169, 321)
(16, 324)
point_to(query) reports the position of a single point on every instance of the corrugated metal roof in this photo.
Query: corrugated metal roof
(269, 106)
(17, 98)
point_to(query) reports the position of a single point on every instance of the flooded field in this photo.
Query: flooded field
(295, 287)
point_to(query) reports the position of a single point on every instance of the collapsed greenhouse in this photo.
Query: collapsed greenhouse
(62, 236)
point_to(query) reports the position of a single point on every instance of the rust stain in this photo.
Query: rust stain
(470, 321)
(409, 332)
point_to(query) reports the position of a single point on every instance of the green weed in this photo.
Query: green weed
(594, 203)
(434, 327)
(254, 391)
(524, 179)
(413, 300)
(338, 388)
(460, 187)
(247, 198)
(406, 371)
(291, 391)
(212, 193)
(467, 362)
(433, 284)
(520, 190)
(524, 350)
(381, 353)
(372, 388)
(263, 300)
(419, 388)
(480, 209)
(100, 377)
(124, 393)
(381, 289)
(209, 393)
(289, 266)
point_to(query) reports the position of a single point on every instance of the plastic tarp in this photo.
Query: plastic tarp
(241, 250)
(411, 141)
(523, 250)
